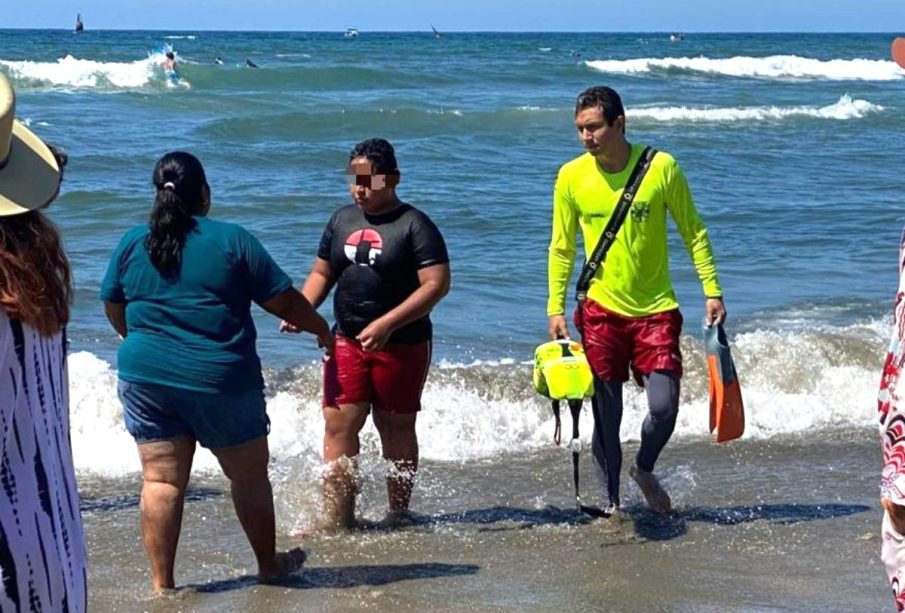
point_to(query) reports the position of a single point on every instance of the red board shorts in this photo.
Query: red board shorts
(389, 380)
(612, 342)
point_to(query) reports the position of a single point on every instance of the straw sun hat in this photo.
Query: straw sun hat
(29, 174)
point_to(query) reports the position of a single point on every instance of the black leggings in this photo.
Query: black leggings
(663, 403)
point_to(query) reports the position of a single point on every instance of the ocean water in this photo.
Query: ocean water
(789, 142)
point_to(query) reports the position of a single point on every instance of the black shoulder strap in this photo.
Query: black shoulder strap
(612, 227)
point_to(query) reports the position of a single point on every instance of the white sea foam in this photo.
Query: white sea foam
(73, 73)
(844, 108)
(793, 382)
(771, 67)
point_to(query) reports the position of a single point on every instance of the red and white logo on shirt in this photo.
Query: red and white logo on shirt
(363, 246)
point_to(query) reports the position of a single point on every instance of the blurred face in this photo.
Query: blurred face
(595, 135)
(370, 190)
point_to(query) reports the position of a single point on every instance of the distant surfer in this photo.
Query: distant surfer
(250, 64)
(630, 318)
(169, 66)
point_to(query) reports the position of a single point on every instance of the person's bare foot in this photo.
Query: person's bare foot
(285, 563)
(657, 498)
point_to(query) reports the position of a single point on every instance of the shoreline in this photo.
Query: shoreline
(501, 536)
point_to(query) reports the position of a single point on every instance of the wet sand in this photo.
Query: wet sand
(781, 525)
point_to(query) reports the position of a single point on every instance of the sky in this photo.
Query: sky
(464, 15)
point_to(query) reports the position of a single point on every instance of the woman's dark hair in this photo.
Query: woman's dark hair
(181, 192)
(379, 152)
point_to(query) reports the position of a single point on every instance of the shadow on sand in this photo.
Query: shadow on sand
(118, 503)
(648, 525)
(338, 577)
(655, 527)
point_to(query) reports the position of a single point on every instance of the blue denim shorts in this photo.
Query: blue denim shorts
(159, 412)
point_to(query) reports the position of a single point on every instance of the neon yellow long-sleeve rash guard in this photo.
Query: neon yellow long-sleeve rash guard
(634, 280)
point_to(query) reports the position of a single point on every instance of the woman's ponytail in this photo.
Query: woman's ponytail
(181, 192)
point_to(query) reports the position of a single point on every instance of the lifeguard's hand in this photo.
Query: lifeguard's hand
(714, 311)
(558, 328)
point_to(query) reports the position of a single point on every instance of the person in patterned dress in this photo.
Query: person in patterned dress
(43, 559)
(892, 432)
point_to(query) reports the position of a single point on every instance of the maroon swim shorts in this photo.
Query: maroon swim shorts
(614, 342)
(389, 380)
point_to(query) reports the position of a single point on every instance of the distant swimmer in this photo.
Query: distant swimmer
(169, 66)
(173, 78)
(574, 54)
(250, 64)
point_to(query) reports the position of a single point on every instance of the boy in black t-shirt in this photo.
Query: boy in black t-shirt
(390, 267)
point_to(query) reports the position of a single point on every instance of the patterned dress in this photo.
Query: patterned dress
(42, 546)
(892, 431)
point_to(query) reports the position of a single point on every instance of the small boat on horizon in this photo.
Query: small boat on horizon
(79, 26)
(350, 33)
(674, 36)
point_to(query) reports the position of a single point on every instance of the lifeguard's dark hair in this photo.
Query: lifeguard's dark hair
(181, 191)
(379, 152)
(604, 98)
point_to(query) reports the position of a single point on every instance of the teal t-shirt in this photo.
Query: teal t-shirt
(193, 332)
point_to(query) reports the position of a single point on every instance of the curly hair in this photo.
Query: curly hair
(35, 278)
(379, 152)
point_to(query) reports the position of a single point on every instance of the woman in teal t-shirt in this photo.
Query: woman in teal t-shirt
(179, 292)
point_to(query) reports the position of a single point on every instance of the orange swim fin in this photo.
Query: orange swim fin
(727, 411)
(898, 51)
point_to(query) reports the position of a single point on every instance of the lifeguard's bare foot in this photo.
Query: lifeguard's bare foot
(657, 498)
(285, 563)
(397, 519)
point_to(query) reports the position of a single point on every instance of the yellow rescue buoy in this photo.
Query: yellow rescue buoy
(561, 371)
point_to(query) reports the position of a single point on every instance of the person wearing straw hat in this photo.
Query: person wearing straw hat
(43, 559)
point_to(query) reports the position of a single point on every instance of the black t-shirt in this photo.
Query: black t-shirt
(375, 260)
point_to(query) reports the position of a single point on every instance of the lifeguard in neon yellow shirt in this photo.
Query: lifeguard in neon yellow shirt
(631, 316)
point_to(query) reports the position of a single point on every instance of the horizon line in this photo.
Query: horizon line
(444, 32)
